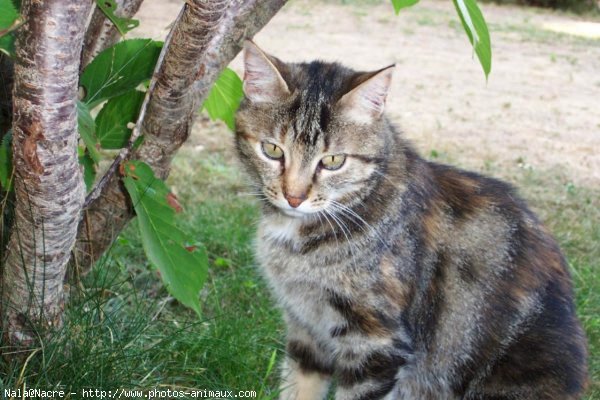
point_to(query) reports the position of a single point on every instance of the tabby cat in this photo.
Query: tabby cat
(399, 278)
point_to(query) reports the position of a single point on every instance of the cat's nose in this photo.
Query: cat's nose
(295, 201)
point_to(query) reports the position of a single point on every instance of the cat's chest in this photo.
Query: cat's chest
(302, 282)
(279, 249)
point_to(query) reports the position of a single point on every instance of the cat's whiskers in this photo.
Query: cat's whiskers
(252, 194)
(347, 211)
(318, 214)
(324, 213)
(346, 232)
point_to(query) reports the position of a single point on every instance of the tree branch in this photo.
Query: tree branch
(102, 33)
(203, 41)
(48, 182)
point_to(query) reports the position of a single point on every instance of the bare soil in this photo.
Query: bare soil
(539, 109)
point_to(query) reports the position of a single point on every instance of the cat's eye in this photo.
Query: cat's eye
(272, 151)
(333, 162)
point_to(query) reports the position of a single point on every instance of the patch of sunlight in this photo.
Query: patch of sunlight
(578, 28)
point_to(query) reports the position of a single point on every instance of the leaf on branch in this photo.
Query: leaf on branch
(119, 69)
(87, 126)
(112, 122)
(7, 44)
(173, 202)
(9, 21)
(6, 165)
(8, 15)
(225, 98)
(183, 266)
(400, 4)
(89, 170)
(477, 31)
(123, 25)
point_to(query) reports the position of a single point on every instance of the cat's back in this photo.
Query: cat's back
(478, 216)
(504, 283)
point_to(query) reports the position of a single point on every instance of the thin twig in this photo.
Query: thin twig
(136, 131)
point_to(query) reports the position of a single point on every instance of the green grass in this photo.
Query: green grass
(123, 330)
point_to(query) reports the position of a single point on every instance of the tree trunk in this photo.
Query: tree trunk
(102, 33)
(203, 41)
(48, 182)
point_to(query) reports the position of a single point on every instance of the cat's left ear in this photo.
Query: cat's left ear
(262, 80)
(366, 102)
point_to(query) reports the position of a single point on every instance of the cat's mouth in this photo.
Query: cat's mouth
(303, 211)
(290, 212)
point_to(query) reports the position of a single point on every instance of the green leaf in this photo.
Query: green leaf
(8, 15)
(124, 25)
(9, 20)
(6, 164)
(400, 4)
(225, 97)
(89, 170)
(87, 127)
(112, 120)
(7, 44)
(183, 267)
(119, 69)
(477, 31)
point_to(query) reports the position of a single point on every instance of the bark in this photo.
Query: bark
(48, 182)
(102, 33)
(203, 41)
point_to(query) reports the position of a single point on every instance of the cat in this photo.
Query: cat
(399, 278)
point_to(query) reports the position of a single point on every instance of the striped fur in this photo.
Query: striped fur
(400, 278)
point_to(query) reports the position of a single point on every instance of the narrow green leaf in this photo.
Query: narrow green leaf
(183, 266)
(225, 97)
(89, 170)
(118, 69)
(477, 31)
(8, 15)
(87, 126)
(400, 4)
(6, 165)
(123, 25)
(112, 120)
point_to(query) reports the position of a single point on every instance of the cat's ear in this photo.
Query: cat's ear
(262, 81)
(366, 102)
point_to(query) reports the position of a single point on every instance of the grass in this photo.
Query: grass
(124, 331)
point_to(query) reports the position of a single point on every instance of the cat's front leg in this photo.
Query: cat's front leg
(371, 376)
(300, 384)
(306, 372)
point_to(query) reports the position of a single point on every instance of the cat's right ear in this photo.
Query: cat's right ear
(365, 103)
(262, 81)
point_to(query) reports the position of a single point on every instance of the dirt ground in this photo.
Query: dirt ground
(540, 108)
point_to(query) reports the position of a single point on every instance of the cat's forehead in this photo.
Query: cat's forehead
(308, 118)
(316, 86)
